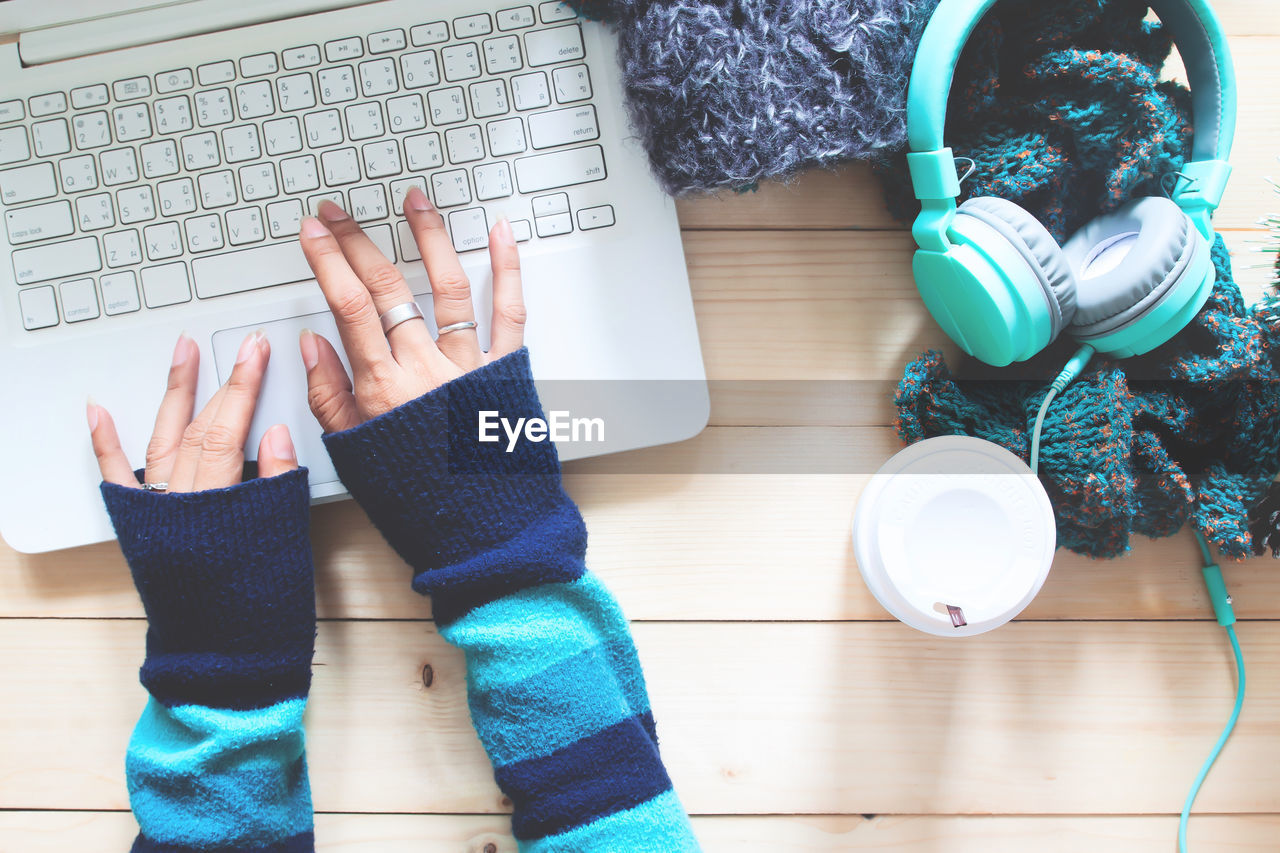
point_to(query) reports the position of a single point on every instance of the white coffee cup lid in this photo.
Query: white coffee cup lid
(954, 536)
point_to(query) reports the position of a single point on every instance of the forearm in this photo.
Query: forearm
(217, 760)
(558, 699)
(554, 685)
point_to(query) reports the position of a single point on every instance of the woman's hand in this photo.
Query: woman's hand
(208, 452)
(361, 284)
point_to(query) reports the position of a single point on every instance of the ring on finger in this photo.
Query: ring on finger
(455, 327)
(155, 487)
(397, 314)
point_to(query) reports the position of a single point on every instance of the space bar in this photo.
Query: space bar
(265, 266)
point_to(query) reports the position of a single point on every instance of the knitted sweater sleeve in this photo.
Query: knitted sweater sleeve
(216, 763)
(554, 684)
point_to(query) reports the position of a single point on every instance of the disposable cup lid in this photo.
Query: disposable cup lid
(954, 535)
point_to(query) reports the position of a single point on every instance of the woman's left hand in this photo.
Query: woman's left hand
(188, 455)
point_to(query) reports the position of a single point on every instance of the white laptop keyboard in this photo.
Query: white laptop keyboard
(190, 183)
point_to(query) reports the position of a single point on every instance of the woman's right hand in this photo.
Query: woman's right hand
(360, 284)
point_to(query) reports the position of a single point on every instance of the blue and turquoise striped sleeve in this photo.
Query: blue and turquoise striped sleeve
(217, 761)
(555, 688)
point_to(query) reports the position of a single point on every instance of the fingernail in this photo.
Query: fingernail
(312, 227)
(310, 350)
(280, 443)
(91, 412)
(417, 200)
(249, 345)
(331, 212)
(505, 234)
(182, 350)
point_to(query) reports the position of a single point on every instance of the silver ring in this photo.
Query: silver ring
(455, 327)
(155, 487)
(397, 314)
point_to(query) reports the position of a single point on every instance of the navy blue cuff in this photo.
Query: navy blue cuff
(475, 521)
(227, 582)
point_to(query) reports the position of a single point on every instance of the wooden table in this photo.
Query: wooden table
(794, 716)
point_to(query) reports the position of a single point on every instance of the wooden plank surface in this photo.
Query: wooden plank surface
(671, 544)
(754, 717)
(788, 706)
(58, 832)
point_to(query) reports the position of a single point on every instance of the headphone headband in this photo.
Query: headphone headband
(1192, 23)
(1201, 43)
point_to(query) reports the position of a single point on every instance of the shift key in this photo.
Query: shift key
(56, 260)
(561, 169)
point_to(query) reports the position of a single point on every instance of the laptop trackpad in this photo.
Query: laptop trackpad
(284, 389)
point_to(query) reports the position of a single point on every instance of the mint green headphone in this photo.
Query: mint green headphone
(995, 279)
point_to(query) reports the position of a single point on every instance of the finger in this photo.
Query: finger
(221, 461)
(385, 283)
(175, 412)
(328, 386)
(275, 452)
(450, 290)
(348, 298)
(507, 334)
(112, 462)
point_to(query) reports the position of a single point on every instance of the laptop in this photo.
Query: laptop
(156, 157)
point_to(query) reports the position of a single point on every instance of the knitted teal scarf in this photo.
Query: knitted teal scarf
(1061, 106)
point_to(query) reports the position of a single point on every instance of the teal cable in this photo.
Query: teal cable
(1073, 368)
(1226, 618)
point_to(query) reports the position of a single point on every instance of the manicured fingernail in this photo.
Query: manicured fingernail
(281, 444)
(312, 227)
(91, 412)
(249, 345)
(417, 200)
(330, 212)
(310, 349)
(505, 234)
(182, 349)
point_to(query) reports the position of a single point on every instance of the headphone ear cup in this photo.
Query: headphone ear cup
(1038, 248)
(1143, 264)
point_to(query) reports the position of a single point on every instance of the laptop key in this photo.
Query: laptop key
(561, 44)
(470, 229)
(56, 260)
(13, 145)
(216, 72)
(120, 293)
(27, 183)
(301, 57)
(47, 105)
(11, 111)
(39, 308)
(560, 169)
(89, 96)
(79, 300)
(560, 127)
(425, 34)
(265, 266)
(39, 222)
(165, 285)
(516, 19)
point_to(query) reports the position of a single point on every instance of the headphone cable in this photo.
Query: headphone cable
(1212, 577)
(1226, 618)
(1075, 365)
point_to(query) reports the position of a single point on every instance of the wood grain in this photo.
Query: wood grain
(95, 832)
(693, 541)
(778, 683)
(755, 718)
